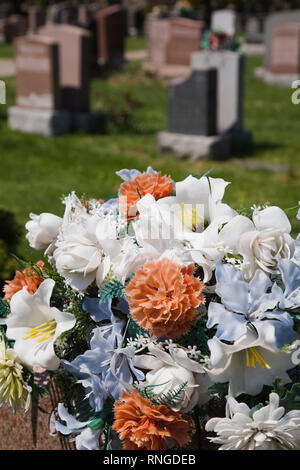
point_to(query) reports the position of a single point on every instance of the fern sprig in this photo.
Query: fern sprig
(169, 399)
(112, 289)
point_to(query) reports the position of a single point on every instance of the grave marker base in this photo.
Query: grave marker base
(278, 79)
(52, 123)
(194, 147)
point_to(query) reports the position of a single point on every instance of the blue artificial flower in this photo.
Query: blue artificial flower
(86, 439)
(247, 302)
(290, 273)
(128, 175)
(106, 368)
(109, 205)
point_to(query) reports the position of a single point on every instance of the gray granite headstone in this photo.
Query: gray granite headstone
(193, 103)
(225, 21)
(230, 66)
(254, 29)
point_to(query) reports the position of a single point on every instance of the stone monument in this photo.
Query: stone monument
(281, 45)
(229, 136)
(36, 18)
(192, 118)
(170, 43)
(231, 81)
(38, 95)
(111, 27)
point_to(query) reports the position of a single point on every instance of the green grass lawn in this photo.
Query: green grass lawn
(6, 50)
(135, 44)
(37, 171)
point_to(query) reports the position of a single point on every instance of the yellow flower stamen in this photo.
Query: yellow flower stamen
(43, 332)
(190, 220)
(253, 356)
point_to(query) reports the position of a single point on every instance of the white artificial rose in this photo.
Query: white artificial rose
(263, 250)
(79, 256)
(171, 370)
(43, 230)
(267, 242)
(169, 378)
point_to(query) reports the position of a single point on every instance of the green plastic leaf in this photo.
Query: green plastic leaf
(291, 400)
(97, 423)
(255, 408)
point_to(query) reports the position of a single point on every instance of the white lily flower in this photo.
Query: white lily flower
(169, 371)
(268, 429)
(251, 362)
(35, 326)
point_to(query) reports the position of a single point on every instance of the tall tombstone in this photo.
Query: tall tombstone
(231, 72)
(111, 28)
(75, 64)
(231, 77)
(192, 104)
(192, 118)
(157, 34)
(255, 28)
(225, 21)
(285, 51)
(38, 94)
(36, 18)
(37, 73)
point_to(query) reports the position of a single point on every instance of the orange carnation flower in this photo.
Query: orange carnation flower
(163, 298)
(27, 277)
(144, 426)
(131, 191)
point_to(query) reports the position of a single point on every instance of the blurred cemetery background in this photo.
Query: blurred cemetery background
(92, 87)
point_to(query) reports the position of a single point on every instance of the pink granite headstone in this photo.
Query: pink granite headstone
(37, 73)
(75, 64)
(285, 49)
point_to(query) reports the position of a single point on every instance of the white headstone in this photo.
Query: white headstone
(225, 21)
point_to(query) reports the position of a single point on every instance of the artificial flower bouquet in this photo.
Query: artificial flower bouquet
(169, 319)
(216, 40)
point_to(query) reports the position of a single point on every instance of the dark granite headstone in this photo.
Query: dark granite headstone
(36, 18)
(14, 26)
(111, 28)
(193, 104)
(75, 64)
